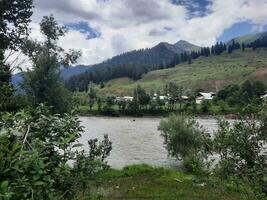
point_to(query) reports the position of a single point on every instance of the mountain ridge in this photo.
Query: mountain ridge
(160, 54)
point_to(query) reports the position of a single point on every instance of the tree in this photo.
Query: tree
(241, 146)
(184, 140)
(189, 60)
(243, 46)
(92, 95)
(42, 84)
(141, 96)
(205, 106)
(109, 102)
(14, 19)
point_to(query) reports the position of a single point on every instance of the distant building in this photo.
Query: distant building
(264, 97)
(126, 98)
(204, 96)
(185, 98)
(163, 97)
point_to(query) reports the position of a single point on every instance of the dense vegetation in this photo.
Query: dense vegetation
(15, 17)
(243, 99)
(233, 152)
(35, 149)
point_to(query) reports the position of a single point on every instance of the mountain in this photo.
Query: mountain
(134, 64)
(16, 79)
(66, 73)
(247, 39)
(186, 46)
(161, 53)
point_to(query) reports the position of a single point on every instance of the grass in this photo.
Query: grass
(145, 182)
(209, 73)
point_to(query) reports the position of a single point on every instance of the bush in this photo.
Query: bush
(35, 148)
(184, 140)
(240, 148)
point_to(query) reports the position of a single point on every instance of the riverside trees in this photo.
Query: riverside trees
(42, 84)
(15, 17)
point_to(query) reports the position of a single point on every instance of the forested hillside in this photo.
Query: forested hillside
(208, 73)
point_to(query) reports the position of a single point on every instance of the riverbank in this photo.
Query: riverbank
(85, 111)
(145, 182)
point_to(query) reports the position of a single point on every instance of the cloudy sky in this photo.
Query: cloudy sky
(104, 28)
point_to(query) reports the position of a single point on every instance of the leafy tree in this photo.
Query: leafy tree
(205, 106)
(92, 95)
(15, 17)
(259, 88)
(184, 140)
(172, 91)
(99, 102)
(109, 103)
(42, 84)
(241, 148)
(141, 96)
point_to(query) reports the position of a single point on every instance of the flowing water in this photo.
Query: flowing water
(134, 140)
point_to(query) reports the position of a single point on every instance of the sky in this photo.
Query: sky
(105, 28)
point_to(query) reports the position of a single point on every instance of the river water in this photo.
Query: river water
(134, 140)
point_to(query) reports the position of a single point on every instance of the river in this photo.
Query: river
(134, 140)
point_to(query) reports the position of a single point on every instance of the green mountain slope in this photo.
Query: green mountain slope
(209, 73)
(247, 39)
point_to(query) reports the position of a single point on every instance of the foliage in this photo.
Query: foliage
(15, 17)
(35, 148)
(42, 84)
(92, 95)
(245, 94)
(239, 148)
(184, 140)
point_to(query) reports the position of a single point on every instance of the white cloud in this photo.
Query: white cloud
(126, 24)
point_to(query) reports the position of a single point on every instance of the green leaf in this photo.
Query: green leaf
(39, 183)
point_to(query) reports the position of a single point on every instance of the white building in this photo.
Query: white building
(126, 98)
(264, 97)
(204, 96)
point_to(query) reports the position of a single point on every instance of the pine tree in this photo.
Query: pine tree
(243, 46)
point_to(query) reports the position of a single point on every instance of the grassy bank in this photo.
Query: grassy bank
(145, 182)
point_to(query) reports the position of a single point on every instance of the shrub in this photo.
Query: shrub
(35, 148)
(184, 140)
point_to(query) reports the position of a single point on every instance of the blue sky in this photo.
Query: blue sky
(239, 29)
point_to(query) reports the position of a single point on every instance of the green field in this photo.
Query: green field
(145, 182)
(208, 73)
